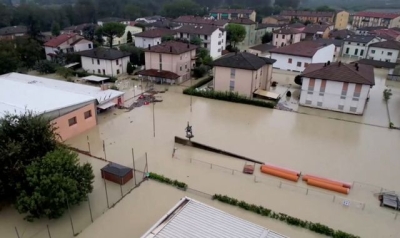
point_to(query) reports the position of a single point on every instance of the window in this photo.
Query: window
(322, 88)
(205, 37)
(344, 90)
(363, 44)
(185, 66)
(289, 60)
(362, 52)
(347, 50)
(90, 46)
(205, 45)
(283, 36)
(160, 57)
(181, 57)
(98, 71)
(305, 64)
(340, 107)
(298, 64)
(116, 62)
(387, 60)
(311, 85)
(87, 114)
(98, 62)
(358, 43)
(94, 71)
(355, 51)
(372, 51)
(72, 121)
(219, 42)
(319, 104)
(180, 68)
(308, 102)
(117, 71)
(353, 109)
(231, 85)
(233, 72)
(92, 61)
(104, 72)
(389, 53)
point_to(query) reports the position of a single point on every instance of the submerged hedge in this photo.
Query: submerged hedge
(162, 179)
(315, 227)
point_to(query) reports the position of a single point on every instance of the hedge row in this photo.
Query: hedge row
(162, 179)
(228, 96)
(315, 227)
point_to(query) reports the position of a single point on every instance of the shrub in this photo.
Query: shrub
(200, 71)
(65, 72)
(321, 229)
(288, 94)
(274, 83)
(130, 68)
(387, 93)
(46, 67)
(162, 179)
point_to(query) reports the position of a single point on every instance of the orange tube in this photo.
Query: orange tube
(331, 181)
(277, 173)
(328, 186)
(289, 171)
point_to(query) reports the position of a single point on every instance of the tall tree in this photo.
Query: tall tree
(235, 33)
(89, 32)
(129, 37)
(29, 51)
(85, 11)
(111, 30)
(178, 8)
(267, 37)
(8, 58)
(54, 183)
(55, 29)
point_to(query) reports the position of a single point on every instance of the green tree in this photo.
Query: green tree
(203, 57)
(46, 67)
(112, 30)
(235, 33)
(195, 40)
(324, 8)
(23, 139)
(29, 51)
(287, 3)
(129, 38)
(8, 57)
(130, 68)
(55, 29)
(167, 38)
(85, 11)
(137, 54)
(54, 183)
(178, 8)
(267, 37)
(65, 72)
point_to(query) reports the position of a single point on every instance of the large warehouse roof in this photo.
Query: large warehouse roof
(190, 218)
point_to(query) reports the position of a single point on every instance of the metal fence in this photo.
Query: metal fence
(104, 196)
(327, 196)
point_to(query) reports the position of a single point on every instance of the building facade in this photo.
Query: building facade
(376, 19)
(387, 51)
(261, 29)
(357, 46)
(250, 27)
(228, 14)
(312, 16)
(66, 43)
(275, 20)
(286, 36)
(341, 20)
(152, 37)
(12, 32)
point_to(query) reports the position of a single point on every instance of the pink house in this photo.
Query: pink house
(66, 43)
(169, 62)
(286, 36)
(244, 73)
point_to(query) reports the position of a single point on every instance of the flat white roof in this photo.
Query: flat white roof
(16, 97)
(190, 218)
(102, 96)
(70, 65)
(95, 78)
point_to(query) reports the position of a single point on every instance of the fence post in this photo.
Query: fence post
(48, 230)
(90, 209)
(133, 162)
(105, 186)
(16, 231)
(88, 144)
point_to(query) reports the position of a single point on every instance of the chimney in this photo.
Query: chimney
(170, 49)
(328, 62)
(149, 47)
(340, 63)
(356, 66)
(188, 45)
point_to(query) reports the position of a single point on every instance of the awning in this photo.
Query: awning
(106, 105)
(94, 78)
(267, 94)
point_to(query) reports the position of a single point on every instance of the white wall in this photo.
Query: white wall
(324, 54)
(381, 54)
(331, 98)
(143, 42)
(49, 50)
(83, 45)
(282, 62)
(352, 46)
(123, 39)
(109, 66)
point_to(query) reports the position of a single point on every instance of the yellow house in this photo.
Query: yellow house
(233, 14)
(341, 20)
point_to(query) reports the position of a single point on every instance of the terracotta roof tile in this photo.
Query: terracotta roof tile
(172, 47)
(243, 21)
(55, 42)
(10, 30)
(103, 53)
(159, 32)
(242, 11)
(378, 15)
(263, 47)
(198, 29)
(287, 30)
(242, 60)
(341, 33)
(303, 48)
(200, 20)
(314, 28)
(390, 44)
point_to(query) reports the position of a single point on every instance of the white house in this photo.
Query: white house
(387, 51)
(152, 37)
(66, 43)
(102, 21)
(337, 86)
(357, 45)
(213, 38)
(124, 38)
(261, 50)
(297, 57)
(103, 61)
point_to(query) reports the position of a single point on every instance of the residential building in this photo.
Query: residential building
(152, 37)
(250, 27)
(391, 67)
(387, 51)
(261, 50)
(243, 73)
(66, 43)
(312, 16)
(297, 57)
(357, 46)
(368, 29)
(71, 107)
(365, 19)
(102, 21)
(213, 38)
(233, 14)
(150, 19)
(104, 61)
(169, 62)
(337, 86)
(209, 222)
(338, 46)
(277, 19)
(315, 31)
(164, 23)
(341, 34)
(299, 26)
(286, 36)
(12, 32)
(387, 34)
(261, 29)
(341, 20)
(78, 28)
(124, 38)
(196, 20)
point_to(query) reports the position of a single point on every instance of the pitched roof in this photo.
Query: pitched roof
(263, 47)
(78, 27)
(164, 23)
(303, 48)
(378, 15)
(80, 41)
(11, 30)
(243, 21)
(307, 14)
(388, 34)
(103, 53)
(159, 73)
(197, 29)
(242, 11)
(242, 60)
(266, 25)
(159, 32)
(201, 20)
(279, 18)
(360, 38)
(377, 63)
(341, 72)
(341, 33)
(111, 19)
(172, 47)
(55, 42)
(337, 43)
(314, 28)
(297, 25)
(287, 30)
(371, 28)
(390, 44)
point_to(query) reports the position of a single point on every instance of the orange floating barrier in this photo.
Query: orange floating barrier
(277, 173)
(321, 184)
(331, 181)
(289, 171)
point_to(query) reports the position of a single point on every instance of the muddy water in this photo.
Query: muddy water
(330, 148)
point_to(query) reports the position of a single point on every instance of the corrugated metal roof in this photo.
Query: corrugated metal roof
(193, 219)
